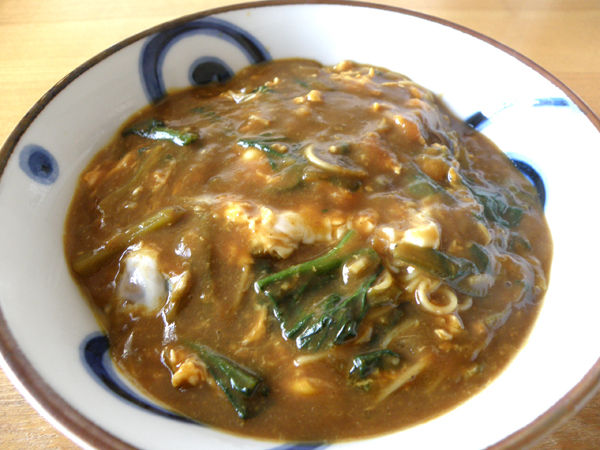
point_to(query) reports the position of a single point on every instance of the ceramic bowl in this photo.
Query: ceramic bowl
(50, 341)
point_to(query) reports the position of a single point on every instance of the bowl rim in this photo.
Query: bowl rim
(76, 426)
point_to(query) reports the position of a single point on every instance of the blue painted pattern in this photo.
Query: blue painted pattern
(96, 359)
(533, 176)
(209, 69)
(94, 353)
(479, 120)
(156, 48)
(39, 164)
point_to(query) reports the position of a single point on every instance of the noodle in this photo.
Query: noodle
(279, 253)
(423, 293)
(405, 376)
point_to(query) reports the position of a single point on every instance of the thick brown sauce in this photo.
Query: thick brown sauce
(398, 161)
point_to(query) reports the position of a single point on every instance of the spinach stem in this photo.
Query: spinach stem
(321, 264)
(90, 262)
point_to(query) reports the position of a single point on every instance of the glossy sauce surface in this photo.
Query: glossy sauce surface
(332, 235)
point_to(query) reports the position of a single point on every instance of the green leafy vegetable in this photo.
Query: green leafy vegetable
(264, 143)
(262, 89)
(241, 386)
(497, 210)
(288, 179)
(365, 364)
(435, 262)
(156, 130)
(243, 96)
(307, 301)
(518, 244)
(90, 262)
(480, 257)
(329, 261)
(455, 271)
(207, 113)
(496, 207)
(421, 185)
(334, 320)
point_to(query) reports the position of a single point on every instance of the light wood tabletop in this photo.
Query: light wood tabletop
(40, 42)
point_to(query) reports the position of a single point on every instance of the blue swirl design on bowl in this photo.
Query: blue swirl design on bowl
(478, 120)
(209, 69)
(155, 49)
(94, 353)
(38, 164)
(95, 357)
(533, 176)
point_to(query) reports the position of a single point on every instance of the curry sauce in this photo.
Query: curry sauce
(308, 253)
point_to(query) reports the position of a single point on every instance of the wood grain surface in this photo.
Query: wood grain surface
(42, 41)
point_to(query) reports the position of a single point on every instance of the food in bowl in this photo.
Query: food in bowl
(308, 253)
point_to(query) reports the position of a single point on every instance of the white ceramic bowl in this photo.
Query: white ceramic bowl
(48, 336)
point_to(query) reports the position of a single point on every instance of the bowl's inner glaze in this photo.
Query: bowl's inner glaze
(528, 116)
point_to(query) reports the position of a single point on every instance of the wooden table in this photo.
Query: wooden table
(41, 41)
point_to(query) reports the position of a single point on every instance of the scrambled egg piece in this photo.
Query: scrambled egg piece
(187, 370)
(280, 233)
(424, 232)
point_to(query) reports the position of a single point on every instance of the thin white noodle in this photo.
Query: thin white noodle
(242, 287)
(405, 326)
(383, 282)
(404, 377)
(307, 359)
(422, 297)
(465, 304)
(259, 328)
(416, 277)
(413, 283)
